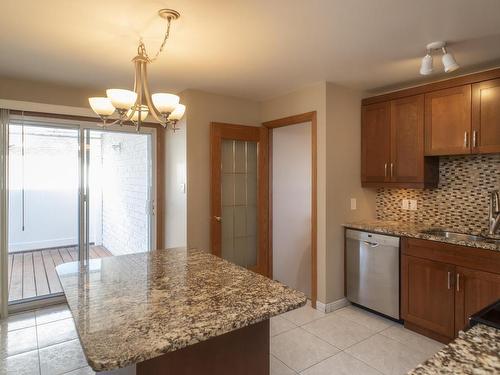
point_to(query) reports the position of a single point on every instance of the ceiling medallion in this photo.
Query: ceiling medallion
(134, 106)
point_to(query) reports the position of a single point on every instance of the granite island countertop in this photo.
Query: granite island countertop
(131, 308)
(414, 230)
(474, 352)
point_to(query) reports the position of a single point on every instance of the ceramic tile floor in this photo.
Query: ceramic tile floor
(304, 341)
(41, 342)
(348, 341)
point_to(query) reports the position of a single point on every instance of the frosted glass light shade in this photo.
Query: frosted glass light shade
(122, 99)
(449, 63)
(165, 103)
(135, 116)
(102, 106)
(426, 66)
(178, 112)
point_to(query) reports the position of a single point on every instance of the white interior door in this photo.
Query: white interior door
(291, 187)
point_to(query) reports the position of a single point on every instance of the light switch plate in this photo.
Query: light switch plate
(353, 203)
(405, 204)
(413, 204)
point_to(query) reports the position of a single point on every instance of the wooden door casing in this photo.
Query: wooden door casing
(375, 142)
(486, 117)
(474, 291)
(448, 121)
(407, 139)
(428, 298)
(219, 131)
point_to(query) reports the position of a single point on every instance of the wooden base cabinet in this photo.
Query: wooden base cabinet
(430, 298)
(442, 285)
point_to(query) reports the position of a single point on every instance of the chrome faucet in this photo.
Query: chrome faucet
(494, 214)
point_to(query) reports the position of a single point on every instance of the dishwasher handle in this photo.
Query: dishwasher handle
(371, 244)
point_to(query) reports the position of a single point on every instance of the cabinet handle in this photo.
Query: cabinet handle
(218, 219)
(385, 170)
(466, 139)
(392, 170)
(474, 138)
(458, 282)
(449, 280)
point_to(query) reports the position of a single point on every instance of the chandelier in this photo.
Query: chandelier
(134, 106)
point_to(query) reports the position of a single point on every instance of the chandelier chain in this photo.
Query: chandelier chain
(142, 47)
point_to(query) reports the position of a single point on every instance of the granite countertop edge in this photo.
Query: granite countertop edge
(103, 365)
(414, 231)
(182, 308)
(476, 351)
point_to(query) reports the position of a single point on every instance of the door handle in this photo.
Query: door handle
(218, 219)
(371, 244)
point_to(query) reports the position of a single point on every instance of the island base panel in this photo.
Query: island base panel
(243, 352)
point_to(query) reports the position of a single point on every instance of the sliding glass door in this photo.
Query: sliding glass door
(75, 192)
(43, 223)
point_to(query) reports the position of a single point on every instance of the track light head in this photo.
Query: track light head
(448, 60)
(426, 65)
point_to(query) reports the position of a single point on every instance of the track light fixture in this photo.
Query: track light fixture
(448, 60)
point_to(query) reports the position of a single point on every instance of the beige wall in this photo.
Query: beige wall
(45, 92)
(175, 198)
(203, 108)
(311, 98)
(343, 182)
(339, 160)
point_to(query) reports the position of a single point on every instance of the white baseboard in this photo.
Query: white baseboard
(332, 306)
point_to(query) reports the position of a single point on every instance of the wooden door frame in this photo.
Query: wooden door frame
(219, 131)
(308, 117)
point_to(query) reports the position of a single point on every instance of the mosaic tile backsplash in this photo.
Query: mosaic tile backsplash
(460, 202)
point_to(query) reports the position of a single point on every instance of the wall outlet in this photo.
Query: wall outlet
(405, 204)
(353, 203)
(413, 204)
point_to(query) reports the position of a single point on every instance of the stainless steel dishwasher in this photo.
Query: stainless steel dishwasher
(372, 266)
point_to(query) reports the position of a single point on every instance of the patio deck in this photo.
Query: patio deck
(33, 274)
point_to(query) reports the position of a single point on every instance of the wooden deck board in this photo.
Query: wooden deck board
(42, 284)
(9, 270)
(29, 288)
(50, 269)
(16, 285)
(33, 274)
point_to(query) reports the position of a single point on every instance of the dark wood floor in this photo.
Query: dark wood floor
(33, 274)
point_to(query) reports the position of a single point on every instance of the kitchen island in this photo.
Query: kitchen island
(174, 311)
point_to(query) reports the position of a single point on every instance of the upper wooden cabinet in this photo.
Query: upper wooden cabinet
(448, 121)
(458, 116)
(486, 117)
(392, 137)
(375, 142)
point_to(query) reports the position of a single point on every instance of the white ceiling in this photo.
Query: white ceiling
(249, 48)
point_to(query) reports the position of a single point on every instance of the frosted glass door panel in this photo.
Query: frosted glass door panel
(239, 183)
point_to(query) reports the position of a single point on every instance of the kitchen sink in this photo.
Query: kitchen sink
(459, 236)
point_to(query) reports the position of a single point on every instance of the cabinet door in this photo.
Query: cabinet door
(428, 297)
(474, 291)
(375, 142)
(486, 117)
(448, 121)
(407, 139)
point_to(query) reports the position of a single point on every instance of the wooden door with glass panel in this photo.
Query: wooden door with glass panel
(239, 195)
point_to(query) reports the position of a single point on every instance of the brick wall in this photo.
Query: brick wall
(125, 191)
